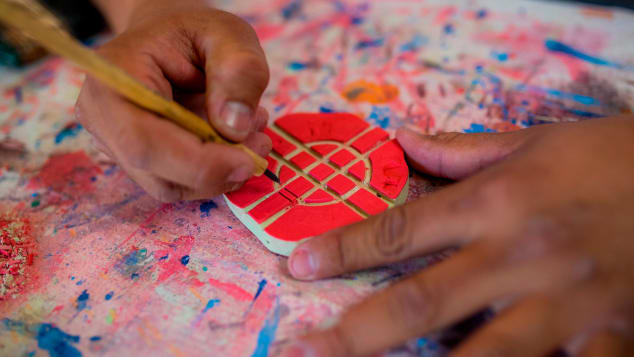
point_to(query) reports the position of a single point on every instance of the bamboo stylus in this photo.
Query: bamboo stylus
(37, 22)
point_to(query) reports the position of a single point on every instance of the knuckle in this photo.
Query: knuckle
(252, 65)
(347, 253)
(392, 234)
(544, 236)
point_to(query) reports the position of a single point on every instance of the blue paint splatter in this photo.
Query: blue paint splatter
(205, 207)
(292, 9)
(556, 46)
(482, 13)
(261, 286)
(583, 99)
(205, 269)
(500, 56)
(49, 338)
(448, 29)
(416, 43)
(584, 114)
(185, 259)
(79, 282)
(135, 257)
(109, 295)
(478, 128)
(163, 257)
(297, 66)
(369, 43)
(210, 304)
(576, 97)
(56, 342)
(380, 116)
(82, 300)
(356, 20)
(267, 333)
(70, 131)
(134, 276)
(95, 338)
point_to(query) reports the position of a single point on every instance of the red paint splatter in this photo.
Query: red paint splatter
(17, 252)
(71, 174)
(176, 250)
(232, 290)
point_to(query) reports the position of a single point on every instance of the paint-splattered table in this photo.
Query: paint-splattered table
(91, 265)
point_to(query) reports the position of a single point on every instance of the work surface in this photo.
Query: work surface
(100, 268)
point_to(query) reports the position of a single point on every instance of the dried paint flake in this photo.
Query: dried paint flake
(16, 255)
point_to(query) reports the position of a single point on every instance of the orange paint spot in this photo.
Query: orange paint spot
(363, 91)
(597, 12)
(175, 351)
(196, 294)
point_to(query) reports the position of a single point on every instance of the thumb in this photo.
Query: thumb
(237, 74)
(456, 155)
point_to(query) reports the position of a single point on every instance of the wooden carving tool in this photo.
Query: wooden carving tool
(38, 23)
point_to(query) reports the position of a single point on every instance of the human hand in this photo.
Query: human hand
(545, 224)
(208, 60)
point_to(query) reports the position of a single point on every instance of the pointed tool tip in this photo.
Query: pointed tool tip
(272, 176)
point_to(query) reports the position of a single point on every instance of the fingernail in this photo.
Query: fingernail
(240, 174)
(237, 116)
(302, 264)
(298, 350)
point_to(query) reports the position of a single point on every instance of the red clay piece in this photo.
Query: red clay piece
(341, 184)
(299, 186)
(294, 226)
(369, 140)
(367, 202)
(253, 189)
(301, 210)
(280, 145)
(357, 170)
(319, 196)
(341, 157)
(302, 160)
(307, 128)
(321, 172)
(389, 174)
(323, 149)
(286, 174)
(269, 207)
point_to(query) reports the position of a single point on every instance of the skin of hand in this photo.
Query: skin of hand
(208, 60)
(544, 222)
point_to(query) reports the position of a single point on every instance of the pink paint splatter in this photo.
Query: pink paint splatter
(232, 289)
(266, 32)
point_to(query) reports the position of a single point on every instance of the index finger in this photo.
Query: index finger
(446, 218)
